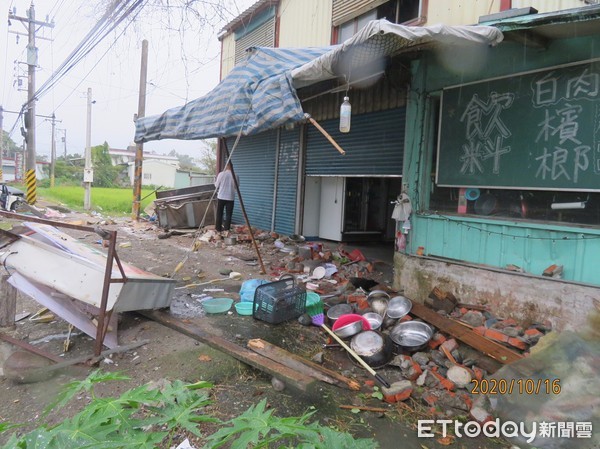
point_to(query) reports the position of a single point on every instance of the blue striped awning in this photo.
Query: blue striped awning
(257, 94)
(260, 93)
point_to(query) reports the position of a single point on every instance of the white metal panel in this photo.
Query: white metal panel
(332, 207)
(549, 5)
(305, 23)
(459, 12)
(312, 206)
(227, 54)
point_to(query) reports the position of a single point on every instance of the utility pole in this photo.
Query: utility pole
(1, 143)
(53, 153)
(88, 172)
(32, 60)
(53, 149)
(139, 150)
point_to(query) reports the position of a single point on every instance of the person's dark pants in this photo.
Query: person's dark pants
(227, 206)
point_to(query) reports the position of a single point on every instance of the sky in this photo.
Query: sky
(183, 64)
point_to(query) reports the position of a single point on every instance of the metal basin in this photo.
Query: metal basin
(398, 307)
(348, 325)
(375, 320)
(338, 310)
(411, 335)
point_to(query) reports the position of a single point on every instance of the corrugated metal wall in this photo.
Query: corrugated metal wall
(254, 164)
(529, 246)
(287, 181)
(388, 93)
(263, 36)
(344, 10)
(374, 146)
(305, 23)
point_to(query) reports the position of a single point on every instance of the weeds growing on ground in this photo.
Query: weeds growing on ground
(152, 415)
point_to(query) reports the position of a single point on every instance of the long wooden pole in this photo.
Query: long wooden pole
(237, 188)
(358, 358)
(326, 134)
(139, 149)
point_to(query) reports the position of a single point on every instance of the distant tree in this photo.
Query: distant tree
(10, 147)
(208, 158)
(105, 175)
(186, 162)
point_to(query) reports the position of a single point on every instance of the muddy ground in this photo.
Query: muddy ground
(169, 354)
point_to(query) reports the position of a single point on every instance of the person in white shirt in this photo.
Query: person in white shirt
(225, 186)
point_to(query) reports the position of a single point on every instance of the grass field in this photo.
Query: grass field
(103, 199)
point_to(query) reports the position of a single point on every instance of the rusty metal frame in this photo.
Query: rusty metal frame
(112, 256)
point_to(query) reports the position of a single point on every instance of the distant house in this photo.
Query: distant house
(155, 173)
(187, 178)
(157, 169)
(11, 172)
(119, 156)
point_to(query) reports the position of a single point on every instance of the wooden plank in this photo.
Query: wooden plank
(300, 364)
(8, 302)
(45, 372)
(290, 377)
(24, 345)
(466, 335)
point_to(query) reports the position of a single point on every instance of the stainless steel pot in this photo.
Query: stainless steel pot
(411, 336)
(375, 348)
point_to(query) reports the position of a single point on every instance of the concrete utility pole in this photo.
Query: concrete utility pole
(139, 150)
(53, 151)
(32, 59)
(88, 172)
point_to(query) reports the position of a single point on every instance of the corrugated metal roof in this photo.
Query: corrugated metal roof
(246, 17)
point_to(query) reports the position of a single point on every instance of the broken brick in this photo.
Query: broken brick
(450, 345)
(480, 415)
(478, 372)
(436, 340)
(533, 333)
(398, 391)
(517, 343)
(445, 383)
(430, 399)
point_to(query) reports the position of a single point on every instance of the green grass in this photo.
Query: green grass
(105, 199)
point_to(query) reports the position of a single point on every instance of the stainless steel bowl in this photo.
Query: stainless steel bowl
(349, 329)
(398, 307)
(338, 310)
(374, 319)
(411, 335)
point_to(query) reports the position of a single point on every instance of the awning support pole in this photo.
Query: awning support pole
(237, 188)
(326, 134)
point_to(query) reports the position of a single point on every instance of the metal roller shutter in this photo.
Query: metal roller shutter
(344, 10)
(374, 146)
(287, 181)
(254, 164)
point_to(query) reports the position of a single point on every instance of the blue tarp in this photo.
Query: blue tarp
(260, 93)
(257, 93)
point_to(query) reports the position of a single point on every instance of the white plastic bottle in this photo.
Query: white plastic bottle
(345, 115)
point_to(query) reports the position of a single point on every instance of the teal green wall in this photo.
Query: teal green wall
(532, 246)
